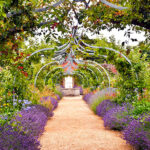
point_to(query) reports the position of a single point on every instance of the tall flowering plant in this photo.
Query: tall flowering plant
(137, 133)
(104, 107)
(118, 117)
(24, 129)
(86, 97)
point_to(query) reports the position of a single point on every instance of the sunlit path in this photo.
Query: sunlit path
(75, 127)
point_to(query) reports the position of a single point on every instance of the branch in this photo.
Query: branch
(86, 4)
(113, 5)
(28, 27)
(141, 23)
(24, 28)
(134, 22)
(10, 14)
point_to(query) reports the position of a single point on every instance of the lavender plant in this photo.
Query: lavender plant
(23, 131)
(101, 95)
(58, 97)
(118, 117)
(47, 101)
(104, 107)
(86, 97)
(54, 102)
(137, 133)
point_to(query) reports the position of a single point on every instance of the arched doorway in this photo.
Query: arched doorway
(69, 89)
(68, 82)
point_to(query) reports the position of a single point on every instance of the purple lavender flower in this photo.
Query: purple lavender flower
(58, 97)
(25, 129)
(137, 133)
(54, 103)
(104, 107)
(11, 139)
(117, 118)
(81, 90)
(86, 97)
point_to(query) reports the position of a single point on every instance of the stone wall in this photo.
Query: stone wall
(70, 91)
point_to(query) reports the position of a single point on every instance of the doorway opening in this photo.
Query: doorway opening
(69, 82)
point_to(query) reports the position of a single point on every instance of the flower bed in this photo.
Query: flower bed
(87, 97)
(27, 125)
(24, 129)
(132, 119)
(117, 117)
(137, 133)
(104, 107)
(49, 102)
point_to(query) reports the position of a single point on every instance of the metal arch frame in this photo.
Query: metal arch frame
(100, 67)
(58, 75)
(83, 51)
(51, 72)
(90, 53)
(107, 48)
(110, 49)
(46, 49)
(113, 5)
(91, 71)
(63, 50)
(55, 62)
(83, 75)
(77, 43)
(104, 2)
(97, 69)
(10, 14)
(103, 69)
(80, 76)
(94, 72)
(78, 62)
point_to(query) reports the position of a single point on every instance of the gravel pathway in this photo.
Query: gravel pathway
(75, 127)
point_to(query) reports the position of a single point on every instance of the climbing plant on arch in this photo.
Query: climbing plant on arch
(21, 19)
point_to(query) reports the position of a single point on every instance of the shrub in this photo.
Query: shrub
(100, 96)
(86, 97)
(137, 133)
(24, 130)
(54, 103)
(11, 139)
(49, 102)
(118, 117)
(33, 119)
(140, 108)
(58, 97)
(46, 102)
(104, 107)
(96, 102)
(108, 93)
(59, 93)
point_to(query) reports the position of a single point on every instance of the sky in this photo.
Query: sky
(119, 36)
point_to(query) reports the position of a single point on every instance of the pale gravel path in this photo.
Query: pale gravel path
(75, 127)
